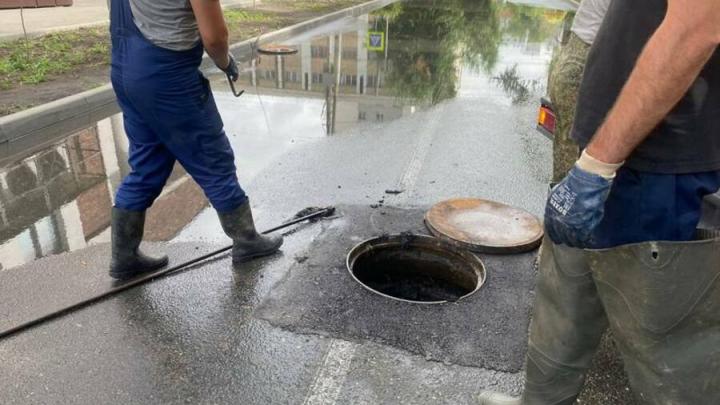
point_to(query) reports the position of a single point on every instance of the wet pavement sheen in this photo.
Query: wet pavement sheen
(436, 100)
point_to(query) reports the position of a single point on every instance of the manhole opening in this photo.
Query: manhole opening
(422, 269)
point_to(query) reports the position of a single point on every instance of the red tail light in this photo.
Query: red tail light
(546, 119)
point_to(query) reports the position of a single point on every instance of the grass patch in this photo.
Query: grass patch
(42, 58)
(238, 16)
(314, 6)
(243, 24)
(56, 65)
(36, 60)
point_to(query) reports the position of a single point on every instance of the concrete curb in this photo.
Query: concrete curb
(35, 128)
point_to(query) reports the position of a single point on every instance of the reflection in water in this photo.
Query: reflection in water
(38, 193)
(59, 199)
(431, 45)
(404, 57)
(375, 68)
(516, 87)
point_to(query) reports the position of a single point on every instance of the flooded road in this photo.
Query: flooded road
(373, 84)
(403, 107)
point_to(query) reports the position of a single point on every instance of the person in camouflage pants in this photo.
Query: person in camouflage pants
(563, 85)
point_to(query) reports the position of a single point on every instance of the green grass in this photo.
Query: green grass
(315, 6)
(238, 16)
(37, 59)
(65, 55)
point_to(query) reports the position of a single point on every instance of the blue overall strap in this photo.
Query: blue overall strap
(121, 19)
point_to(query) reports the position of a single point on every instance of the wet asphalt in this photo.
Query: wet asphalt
(193, 337)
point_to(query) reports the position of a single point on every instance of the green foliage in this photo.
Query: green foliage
(37, 59)
(432, 41)
(518, 88)
(390, 13)
(239, 16)
(530, 23)
(314, 6)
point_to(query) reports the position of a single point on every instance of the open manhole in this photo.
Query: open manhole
(416, 268)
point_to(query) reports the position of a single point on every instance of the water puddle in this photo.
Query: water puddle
(361, 72)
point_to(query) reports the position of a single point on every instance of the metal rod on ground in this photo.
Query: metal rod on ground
(151, 276)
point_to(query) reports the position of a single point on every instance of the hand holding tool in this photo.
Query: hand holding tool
(233, 73)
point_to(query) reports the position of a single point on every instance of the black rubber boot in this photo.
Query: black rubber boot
(248, 244)
(127, 260)
(567, 325)
(663, 303)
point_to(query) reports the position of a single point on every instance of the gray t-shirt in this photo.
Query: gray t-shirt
(168, 24)
(588, 19)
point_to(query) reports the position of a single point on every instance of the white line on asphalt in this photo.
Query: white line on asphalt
(331, 374)
(412, 171)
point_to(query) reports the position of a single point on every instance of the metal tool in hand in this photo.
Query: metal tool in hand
(232, 73)
(232, 87)
(271, 49)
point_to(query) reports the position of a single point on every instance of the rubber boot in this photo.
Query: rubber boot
(126, 234)
(248, 244)
(567, 325)
(663, 303)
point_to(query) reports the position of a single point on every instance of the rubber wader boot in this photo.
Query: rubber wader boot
(247, 242)
(663, 303)
(127, 232)
(567, 325)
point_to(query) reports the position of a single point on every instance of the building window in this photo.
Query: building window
(319, 51)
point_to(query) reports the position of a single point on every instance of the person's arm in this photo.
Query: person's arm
(213, 30)
(667, 67)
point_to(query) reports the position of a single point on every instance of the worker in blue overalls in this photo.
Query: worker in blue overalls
(170, 115)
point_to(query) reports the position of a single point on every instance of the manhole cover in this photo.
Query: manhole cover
(485, 226)
(416, 268)
(277, 49)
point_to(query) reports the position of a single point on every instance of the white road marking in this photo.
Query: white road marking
(331, 374)
(412, 171)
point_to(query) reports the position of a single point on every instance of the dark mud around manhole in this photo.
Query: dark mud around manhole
(424, 270)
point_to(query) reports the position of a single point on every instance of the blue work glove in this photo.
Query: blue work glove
(231, 70)
(577, 205)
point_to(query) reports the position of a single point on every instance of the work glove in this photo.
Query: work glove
(231, 70)
(577, 204)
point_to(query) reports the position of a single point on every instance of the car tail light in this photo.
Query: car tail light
(546, 119)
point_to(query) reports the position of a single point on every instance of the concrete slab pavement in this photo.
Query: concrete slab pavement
(82, 13)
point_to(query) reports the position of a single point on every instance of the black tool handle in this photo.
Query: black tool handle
(232, 87)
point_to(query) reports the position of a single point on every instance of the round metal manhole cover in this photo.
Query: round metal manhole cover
(485, 226)
(277, 49)
(416, 268)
